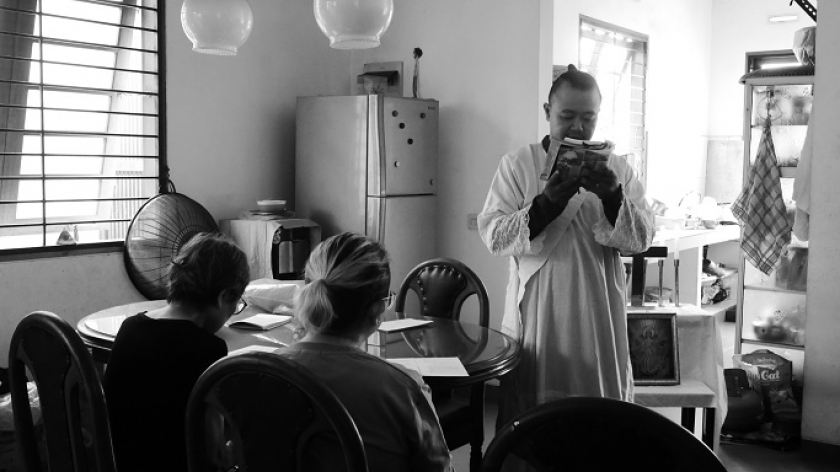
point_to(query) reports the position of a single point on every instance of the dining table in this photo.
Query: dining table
(484, 352)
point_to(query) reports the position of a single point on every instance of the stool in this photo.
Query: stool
(687, 396)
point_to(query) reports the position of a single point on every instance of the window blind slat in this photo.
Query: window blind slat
(81, 142)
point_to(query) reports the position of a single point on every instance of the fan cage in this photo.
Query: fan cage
(156, 234)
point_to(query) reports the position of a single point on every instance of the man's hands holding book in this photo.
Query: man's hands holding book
(578, 164)
(599, 179)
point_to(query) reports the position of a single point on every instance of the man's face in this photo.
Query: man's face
(573, 113)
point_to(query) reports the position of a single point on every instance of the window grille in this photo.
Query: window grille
(617, 58)
(81, 129)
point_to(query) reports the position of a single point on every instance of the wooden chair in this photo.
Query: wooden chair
(442, 286)
(586, 433)
(276, 414)
(73, 410)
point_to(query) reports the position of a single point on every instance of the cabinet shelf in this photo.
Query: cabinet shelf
(788, 172)
(758, 296)
(761, 126)
(773, 343)
(768, 288)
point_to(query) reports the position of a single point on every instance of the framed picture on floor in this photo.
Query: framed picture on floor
(654, 353)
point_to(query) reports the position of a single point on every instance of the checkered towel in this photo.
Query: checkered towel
(761, 209)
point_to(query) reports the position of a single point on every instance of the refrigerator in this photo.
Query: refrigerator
(368, 164)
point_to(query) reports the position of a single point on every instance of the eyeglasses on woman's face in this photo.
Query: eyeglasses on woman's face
(240, 305)
(390, 299)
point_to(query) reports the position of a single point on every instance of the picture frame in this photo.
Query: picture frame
(654, 348)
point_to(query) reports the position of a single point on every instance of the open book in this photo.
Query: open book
(263, 321)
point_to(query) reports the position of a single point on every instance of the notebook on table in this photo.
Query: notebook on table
(261, 321)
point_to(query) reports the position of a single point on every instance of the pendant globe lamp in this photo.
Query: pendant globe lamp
(353, 24)
(217, 27)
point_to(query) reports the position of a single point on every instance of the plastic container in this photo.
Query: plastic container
(271, 206)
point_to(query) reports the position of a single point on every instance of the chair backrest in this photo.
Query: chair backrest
(73, 409)
(585, 433)
(277, 416)
(442, 285)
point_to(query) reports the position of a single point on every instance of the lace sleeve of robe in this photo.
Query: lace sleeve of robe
(503, 223)
(635, 225)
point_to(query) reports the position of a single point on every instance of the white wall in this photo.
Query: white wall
(70, 287)
(232, 119)
(730, 42)
(732, 19)
(821, 414)
(481, 60)
(677, 98)
(230, 142)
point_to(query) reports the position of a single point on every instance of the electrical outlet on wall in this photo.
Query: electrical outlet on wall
(472, 221)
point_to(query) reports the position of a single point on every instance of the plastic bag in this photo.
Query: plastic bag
(7, 420)
(272, 295)
(714, 293)
(9, 459)
(792, 272)
(770, 374)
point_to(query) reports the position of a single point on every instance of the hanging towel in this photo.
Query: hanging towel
(760, 209)
(802, 184)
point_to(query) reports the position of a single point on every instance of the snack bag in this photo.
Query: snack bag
(771, 375)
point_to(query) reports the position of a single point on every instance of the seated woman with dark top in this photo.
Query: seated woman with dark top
(348, 277)
(158, 355)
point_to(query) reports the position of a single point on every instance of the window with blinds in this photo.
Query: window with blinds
(80, 129)
(617, 58)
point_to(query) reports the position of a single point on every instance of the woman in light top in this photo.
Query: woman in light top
(348, 276)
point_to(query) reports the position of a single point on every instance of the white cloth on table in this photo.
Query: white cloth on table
(701, 356)
(565, 300)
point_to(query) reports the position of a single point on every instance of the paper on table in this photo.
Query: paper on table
(252, 348)
(399, 325)
(263, 321)
(433, 366)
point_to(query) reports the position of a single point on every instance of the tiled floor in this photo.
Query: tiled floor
(739, 458)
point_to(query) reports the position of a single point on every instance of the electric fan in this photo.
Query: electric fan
(161, 226)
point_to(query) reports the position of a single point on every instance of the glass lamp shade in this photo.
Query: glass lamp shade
(353, 24)
(217, 27)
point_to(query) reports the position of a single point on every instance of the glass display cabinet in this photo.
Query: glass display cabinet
(772, 308)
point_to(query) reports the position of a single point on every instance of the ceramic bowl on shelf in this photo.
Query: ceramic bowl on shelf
(271, 206)
(710, 224)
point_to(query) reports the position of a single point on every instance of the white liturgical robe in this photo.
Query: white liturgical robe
(565, 300)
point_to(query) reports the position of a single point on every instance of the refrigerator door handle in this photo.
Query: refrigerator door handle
(376, 145)
(375, 219)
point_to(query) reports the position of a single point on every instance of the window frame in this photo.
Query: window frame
(758, 60)
(162, 179)
(637, 38)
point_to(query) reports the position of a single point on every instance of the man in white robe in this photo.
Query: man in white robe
(565, 300)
